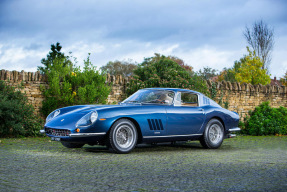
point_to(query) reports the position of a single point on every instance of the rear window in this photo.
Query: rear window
(206, 101)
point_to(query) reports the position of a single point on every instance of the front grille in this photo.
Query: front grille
(57, 132)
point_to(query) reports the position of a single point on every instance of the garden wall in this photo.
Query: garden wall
(32, 81)
(240, 97)
(244, 97)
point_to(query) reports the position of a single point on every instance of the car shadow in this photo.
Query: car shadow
(141, 148)
(96, 148)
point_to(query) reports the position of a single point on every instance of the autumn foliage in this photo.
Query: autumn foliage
(250, 70)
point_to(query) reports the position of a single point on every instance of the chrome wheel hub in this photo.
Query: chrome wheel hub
(215, 134)
(124, 136)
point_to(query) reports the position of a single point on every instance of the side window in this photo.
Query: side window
(189, 99)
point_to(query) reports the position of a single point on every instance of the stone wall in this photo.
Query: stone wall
(240, 97)
(244, 97)
(31, 82)
(118, 88)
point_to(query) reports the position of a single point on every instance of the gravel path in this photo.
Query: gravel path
(241, 164)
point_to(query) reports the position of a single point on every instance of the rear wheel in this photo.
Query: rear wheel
(213, 135)
(72, 145)
(123, 136)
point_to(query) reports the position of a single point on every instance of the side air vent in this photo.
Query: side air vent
(155, 124)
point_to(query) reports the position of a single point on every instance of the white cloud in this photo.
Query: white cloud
(278, 65)
(202, 33)
(18, 58)
(210, 57)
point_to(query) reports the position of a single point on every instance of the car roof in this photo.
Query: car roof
(174, 89)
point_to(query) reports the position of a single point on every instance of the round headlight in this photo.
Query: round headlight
(94, 116)
(53, 115)
(56, 113)
(88, 119)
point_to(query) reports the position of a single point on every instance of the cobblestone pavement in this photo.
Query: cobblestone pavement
(242, 164)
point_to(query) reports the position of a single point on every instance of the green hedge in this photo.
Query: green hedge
(17, 117)
(265, 120)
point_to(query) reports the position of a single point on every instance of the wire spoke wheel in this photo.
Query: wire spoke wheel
(213, 135)
(123, 136)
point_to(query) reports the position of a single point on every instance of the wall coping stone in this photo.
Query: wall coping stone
(15, 76)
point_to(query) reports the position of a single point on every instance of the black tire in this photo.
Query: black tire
(123, 136)
(213, 135)
(72, 145)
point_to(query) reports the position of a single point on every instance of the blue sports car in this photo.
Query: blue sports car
(152, 115)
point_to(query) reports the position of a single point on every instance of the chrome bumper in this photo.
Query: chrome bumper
(229, 135)
(234, 129)
(86, 134)
(42, 131)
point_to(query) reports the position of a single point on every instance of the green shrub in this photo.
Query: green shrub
(69, 85)
(164, 72)
(265, 120)
(17, 117)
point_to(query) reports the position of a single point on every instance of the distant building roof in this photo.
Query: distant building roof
(275, 82)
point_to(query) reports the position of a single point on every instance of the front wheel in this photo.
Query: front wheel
(213, 135)
(72, 145)
(123, 136)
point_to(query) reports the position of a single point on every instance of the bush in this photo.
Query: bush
(69, 85)
(265, 120)
(164, 72)
(16, 115)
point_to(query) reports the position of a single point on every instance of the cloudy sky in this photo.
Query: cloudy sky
(202, 33)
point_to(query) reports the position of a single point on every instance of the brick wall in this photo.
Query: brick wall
(240, 97)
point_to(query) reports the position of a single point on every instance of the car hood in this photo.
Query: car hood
(69, 116)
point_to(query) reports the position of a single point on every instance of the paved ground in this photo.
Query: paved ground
(241, 164)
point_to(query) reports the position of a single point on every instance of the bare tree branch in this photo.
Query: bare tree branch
(261, 38)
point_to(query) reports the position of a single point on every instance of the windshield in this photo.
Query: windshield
(151, 96)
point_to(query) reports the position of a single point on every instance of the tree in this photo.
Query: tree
(69, 85)
(164, 72)
(228, 74)
(207, 73)
(53, 54)
(179, 61)
(250, 70)
(124, 68)
(284, 79)
(261, 38)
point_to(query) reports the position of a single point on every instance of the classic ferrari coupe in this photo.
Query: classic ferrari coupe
(152, 115)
